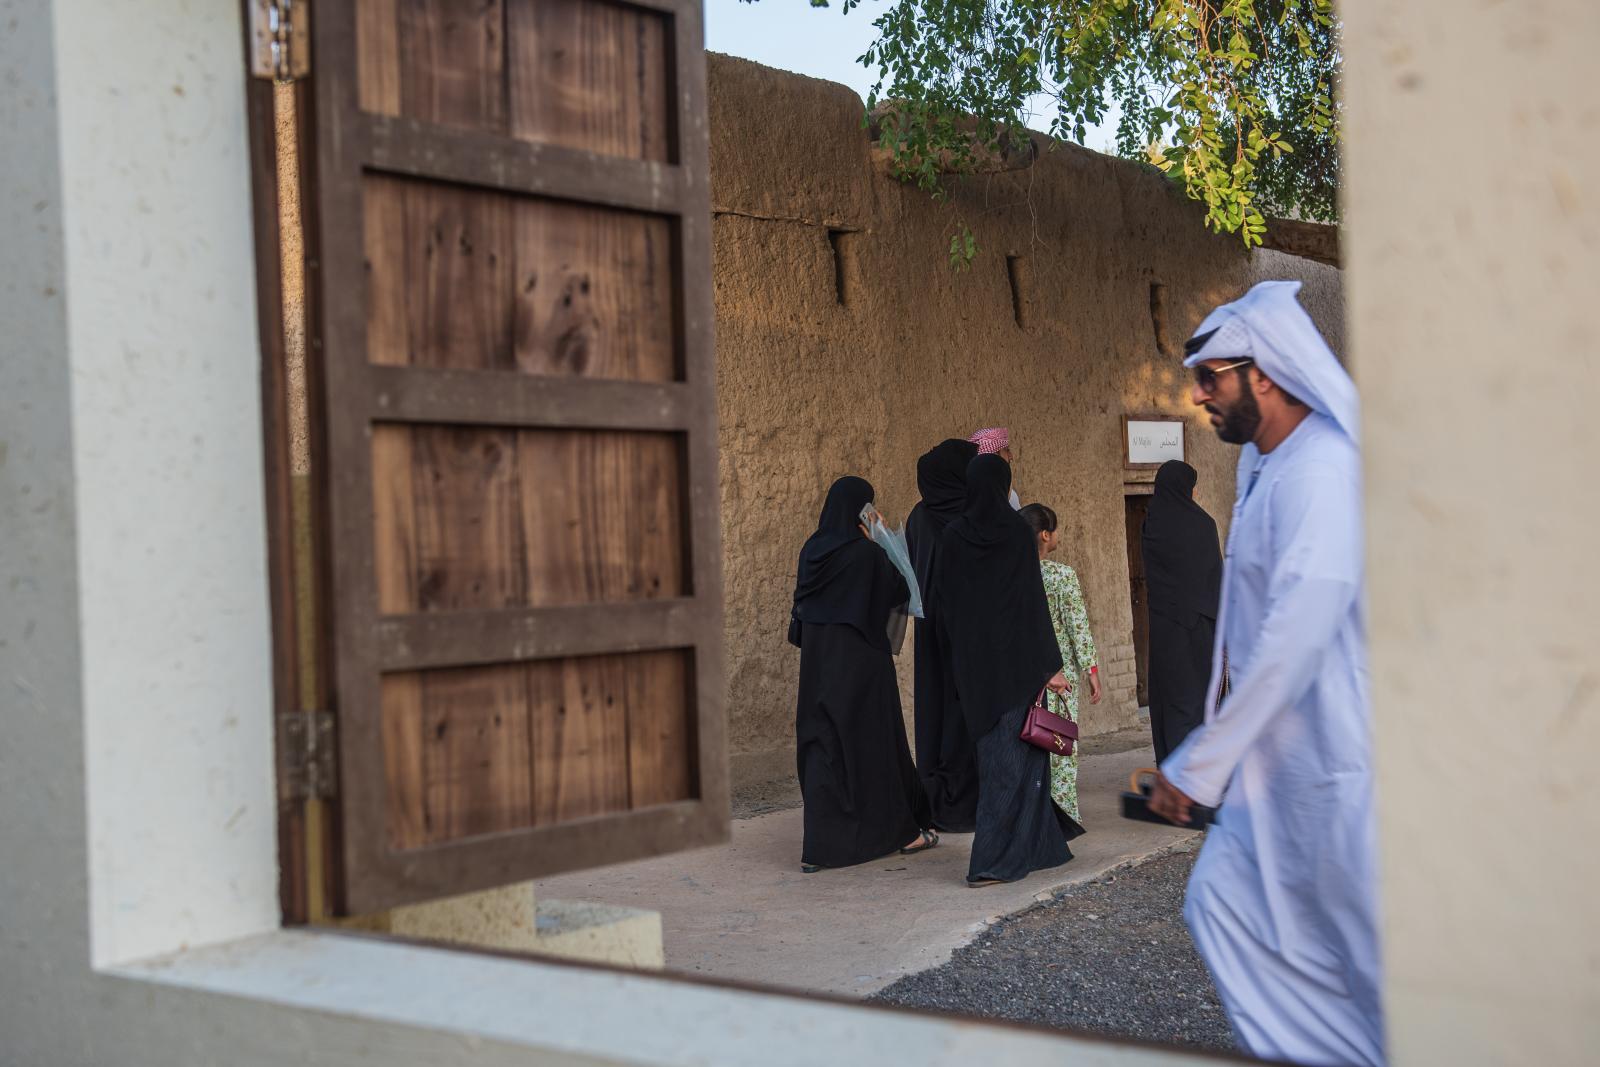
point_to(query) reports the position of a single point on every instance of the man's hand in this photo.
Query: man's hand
(1167, 801)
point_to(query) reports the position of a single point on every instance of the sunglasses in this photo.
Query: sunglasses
(1206, 377)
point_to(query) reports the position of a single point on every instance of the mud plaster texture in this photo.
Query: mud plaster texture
(846, 345)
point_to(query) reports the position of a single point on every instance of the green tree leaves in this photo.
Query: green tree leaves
(1232, 99)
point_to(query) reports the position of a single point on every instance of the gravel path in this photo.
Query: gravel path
(1110, 956)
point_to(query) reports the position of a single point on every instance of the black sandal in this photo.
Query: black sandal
(810, 868)
(929, 839)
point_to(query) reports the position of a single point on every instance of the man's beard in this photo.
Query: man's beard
(1241, 421)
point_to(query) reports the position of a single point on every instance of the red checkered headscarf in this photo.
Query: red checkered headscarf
(993, 440)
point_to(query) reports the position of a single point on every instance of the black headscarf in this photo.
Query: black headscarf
(1182, 564)
(843, 577)
(991, 601)
(942, 480)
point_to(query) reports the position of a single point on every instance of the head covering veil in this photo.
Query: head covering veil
(992, 440)
(842, 576)
(942, 480)
(991, 601)
(1268, 325)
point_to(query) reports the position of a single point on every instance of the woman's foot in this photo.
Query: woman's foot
(921, 843)
(810, 868)
(979, 883)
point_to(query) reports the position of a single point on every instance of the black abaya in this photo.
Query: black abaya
(991, 601)
(947, 761)
(1180, 670)
(860, 789)
(1183, 569)
(1002, 650)
(862, 796)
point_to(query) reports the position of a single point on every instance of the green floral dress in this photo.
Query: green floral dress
(1070, 617)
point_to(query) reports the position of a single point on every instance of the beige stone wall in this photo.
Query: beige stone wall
(810, 389)
(1473, 339)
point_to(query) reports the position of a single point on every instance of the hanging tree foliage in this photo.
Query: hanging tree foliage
(1233, 99)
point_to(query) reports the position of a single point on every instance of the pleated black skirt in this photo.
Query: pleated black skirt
(1020, 829)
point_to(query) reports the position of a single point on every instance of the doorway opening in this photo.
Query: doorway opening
(1135, 508)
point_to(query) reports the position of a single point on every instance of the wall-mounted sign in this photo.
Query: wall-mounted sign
(1151, 440)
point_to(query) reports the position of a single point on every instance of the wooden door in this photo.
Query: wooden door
(512, 354)
(1138, 594)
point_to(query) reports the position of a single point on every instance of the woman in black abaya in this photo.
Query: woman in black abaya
(946, 759)
(991, 604)
(1183, 570)
(861, 793)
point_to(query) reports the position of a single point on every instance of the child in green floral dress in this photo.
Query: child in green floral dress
(1070, 617)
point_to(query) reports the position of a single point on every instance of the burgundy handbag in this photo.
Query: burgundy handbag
(1045, 729)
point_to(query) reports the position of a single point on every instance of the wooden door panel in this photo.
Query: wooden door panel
(583, 74)
(465, 279)
(476, 774)
(516, 403)
(488, 750)
(623, 60)
(486, 519)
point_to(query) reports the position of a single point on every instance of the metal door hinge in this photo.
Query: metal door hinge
(280, 39)
(308, 763)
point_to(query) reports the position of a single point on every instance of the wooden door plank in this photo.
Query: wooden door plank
(467, 521)
(496, 398)
(660, 727)
(458, 275)
(602, 516)
(594, 292)
(396, 564)
(378, 55)
(490, 281)
(383, 230)
(411, 147)
(591, 75)
(579, 733)
(403, 760)
(437, 639)
(452, 62)
(476, 771)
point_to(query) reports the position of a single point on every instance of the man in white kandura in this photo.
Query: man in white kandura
(1283, 900)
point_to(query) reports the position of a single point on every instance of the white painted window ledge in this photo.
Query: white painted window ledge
(510, 1010)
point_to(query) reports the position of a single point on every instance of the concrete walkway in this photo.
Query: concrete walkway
(744, 911)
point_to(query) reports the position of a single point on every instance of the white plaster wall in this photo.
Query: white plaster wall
(167, 444)
(43, 892)
(1473, 270)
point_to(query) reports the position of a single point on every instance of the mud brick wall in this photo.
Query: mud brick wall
(846, 345)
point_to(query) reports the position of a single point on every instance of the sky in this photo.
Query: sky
(823, 42)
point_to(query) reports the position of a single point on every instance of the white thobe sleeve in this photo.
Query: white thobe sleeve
(1316, 541)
